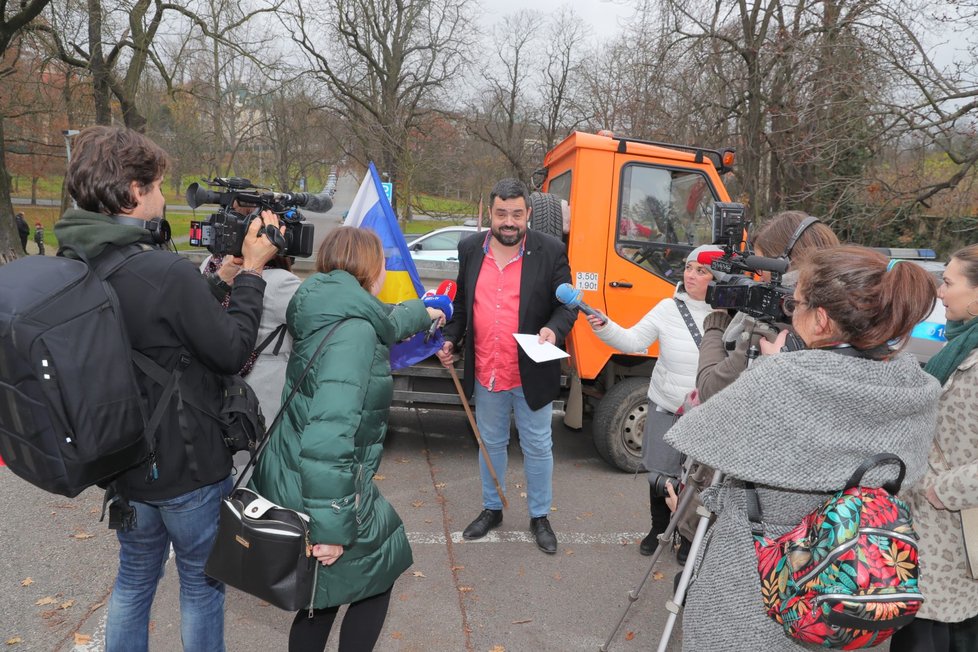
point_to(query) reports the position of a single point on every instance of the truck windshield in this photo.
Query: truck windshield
(662, 215)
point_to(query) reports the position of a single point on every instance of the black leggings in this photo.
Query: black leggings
(922, 635)
(359, 632)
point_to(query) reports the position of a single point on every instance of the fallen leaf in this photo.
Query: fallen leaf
(557, 577)
(418, 503)
(94, 510)
(568, 552)
(522, 494)
(48, 614)
(401, 460)
(27, 581)
(440, 485)
(14, 640)
(66, 506)
(586, 515)
(418, 574)
(44, 601)
(379, 477)
(553, 509)
(68, 604)
(629, 636)
(464, 589)
(427, 520)
(522, 622)
(82, 536)
(397, 636)
(657, 575)
(497, 648)
(457, 568)
(82, 639)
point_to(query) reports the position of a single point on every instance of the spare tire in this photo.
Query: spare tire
(546, 215)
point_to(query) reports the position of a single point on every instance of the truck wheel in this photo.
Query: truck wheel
(546, 216)
(619, 423)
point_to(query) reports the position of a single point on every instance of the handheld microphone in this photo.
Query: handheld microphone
(440, 299)
(707, 257)
(571, 297)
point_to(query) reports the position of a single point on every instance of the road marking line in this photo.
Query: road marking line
(575, 538)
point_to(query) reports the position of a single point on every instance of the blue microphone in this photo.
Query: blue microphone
(568, 295)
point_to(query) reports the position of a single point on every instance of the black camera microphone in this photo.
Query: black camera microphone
(762, 264)
(312, 203)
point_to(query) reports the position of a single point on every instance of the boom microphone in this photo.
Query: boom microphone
(313, 203)
(571, 297)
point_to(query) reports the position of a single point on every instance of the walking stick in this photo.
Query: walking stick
(478, 437)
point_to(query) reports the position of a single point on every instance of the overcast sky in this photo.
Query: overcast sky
(602, 16)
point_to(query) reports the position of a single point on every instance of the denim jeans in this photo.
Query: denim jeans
(492, 410)
(189, 522)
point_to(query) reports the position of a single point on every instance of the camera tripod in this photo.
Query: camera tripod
(696, 479)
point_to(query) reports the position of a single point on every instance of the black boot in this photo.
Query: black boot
(660, 520)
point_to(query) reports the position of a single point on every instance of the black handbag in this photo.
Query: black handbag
(262, 548)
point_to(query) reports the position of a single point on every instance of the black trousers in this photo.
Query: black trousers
(359, 632)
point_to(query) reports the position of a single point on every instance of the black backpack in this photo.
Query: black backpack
(71, 412)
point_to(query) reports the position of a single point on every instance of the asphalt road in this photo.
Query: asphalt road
(500, 594)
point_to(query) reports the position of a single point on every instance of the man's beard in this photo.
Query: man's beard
(508, 238)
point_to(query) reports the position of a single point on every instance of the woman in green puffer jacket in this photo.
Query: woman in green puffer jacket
(322, 458)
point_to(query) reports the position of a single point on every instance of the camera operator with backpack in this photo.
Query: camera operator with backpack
(174, 325)
(801, 426)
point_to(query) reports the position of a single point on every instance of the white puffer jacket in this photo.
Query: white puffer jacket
(674, 375)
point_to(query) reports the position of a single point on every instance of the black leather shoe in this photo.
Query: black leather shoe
(651, 541)
(487, 520)
(683, 553)
(544, 534)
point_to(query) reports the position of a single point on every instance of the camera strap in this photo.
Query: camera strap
(690, 323)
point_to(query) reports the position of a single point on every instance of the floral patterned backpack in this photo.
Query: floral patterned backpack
(846, 576)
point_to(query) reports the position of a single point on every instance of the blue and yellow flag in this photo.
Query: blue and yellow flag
(372, 210)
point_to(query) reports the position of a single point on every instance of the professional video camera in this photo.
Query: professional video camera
(760, 300)
(223, 232)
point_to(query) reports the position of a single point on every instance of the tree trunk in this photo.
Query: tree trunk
(34, 191)
(9, 238)
(100, 73)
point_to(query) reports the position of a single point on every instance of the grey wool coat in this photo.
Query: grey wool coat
(797, 425)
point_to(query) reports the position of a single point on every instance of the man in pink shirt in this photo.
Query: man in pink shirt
(507, 280)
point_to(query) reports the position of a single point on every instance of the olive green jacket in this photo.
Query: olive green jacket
(322, 457)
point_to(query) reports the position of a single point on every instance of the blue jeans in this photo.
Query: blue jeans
(189, 522)
(492, 410)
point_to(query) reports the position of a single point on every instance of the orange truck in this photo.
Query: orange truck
(636, 209)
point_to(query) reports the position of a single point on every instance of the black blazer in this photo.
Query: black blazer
(544, 268)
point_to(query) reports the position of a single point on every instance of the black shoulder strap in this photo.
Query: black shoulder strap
(880, 458)
(285, 404)
(754, 514)
(279, 332)
(690, 323)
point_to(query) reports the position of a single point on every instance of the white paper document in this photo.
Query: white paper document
(539, 352)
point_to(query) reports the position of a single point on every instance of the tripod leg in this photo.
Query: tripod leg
(686, 500)
(674, 606)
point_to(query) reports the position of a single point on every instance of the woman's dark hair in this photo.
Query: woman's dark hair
(104, 163)
(968, 257)
(357, 251)
(870, 305)
(774, 235)
(280, 262)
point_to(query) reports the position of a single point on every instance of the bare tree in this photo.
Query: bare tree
(563, 55)
(12, 22)
(503, 117)
(384, 65)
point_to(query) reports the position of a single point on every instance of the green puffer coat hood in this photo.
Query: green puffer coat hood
(322, 457)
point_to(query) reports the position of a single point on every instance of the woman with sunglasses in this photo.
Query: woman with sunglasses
(797, 425)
